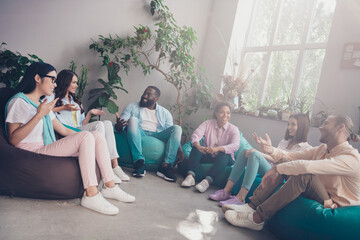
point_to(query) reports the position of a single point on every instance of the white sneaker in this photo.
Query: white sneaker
(99, 204)
(117, 194)
(120, 173)
(189, 181)
(241, 219)
(238, 208)
(117, 180)
(202, 186)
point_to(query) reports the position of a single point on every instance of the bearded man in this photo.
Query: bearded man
(148, 118)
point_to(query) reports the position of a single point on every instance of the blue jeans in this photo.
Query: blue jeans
(219, 163)
(254, 164)
(171, 136)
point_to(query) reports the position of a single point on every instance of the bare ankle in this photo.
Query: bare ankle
(91, 191)
(257, 218)
(110, 184)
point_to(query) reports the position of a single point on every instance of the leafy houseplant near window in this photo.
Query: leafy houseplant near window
(165, 50)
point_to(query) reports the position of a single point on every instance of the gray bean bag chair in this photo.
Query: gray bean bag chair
(28, 174)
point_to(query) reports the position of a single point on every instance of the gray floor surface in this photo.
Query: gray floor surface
(162, 210)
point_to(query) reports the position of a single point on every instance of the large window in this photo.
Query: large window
(284, 47)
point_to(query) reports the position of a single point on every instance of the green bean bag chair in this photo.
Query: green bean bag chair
(307, 219)
(153, 151)
(204, 168)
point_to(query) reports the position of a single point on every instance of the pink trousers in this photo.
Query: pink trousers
(88, 147)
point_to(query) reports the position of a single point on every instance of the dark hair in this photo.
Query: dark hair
(301, 134)
(28, 83)
(220, 105)
(157, 91)
(349, 126)
(63, 82)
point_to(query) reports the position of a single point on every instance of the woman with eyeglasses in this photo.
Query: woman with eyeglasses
(69, 111)
(31, 123)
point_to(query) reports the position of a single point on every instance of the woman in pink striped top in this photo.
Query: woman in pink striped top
(221, 140)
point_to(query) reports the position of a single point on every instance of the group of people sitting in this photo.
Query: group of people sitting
(329, 173)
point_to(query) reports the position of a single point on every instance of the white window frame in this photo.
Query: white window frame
(301, 47)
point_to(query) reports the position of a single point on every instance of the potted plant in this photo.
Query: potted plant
(166, 50)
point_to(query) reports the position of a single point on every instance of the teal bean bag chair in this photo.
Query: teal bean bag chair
(204, 168)
(307, 219)
(153, 151)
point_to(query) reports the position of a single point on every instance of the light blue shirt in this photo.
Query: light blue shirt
(164, 117)
(65, 117)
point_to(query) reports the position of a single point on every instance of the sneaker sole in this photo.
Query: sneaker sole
(139, 175)
(165, 177)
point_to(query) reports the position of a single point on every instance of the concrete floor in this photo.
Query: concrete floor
(161, 210)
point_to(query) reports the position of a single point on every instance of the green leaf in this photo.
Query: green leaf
(112, 107)
(102, 100)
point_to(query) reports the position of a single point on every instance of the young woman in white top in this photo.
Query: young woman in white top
(256, 162)
(68, 110)
(31, 124)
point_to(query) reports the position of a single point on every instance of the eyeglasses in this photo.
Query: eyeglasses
(53, 79)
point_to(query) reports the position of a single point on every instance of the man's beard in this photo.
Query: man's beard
(146, 104)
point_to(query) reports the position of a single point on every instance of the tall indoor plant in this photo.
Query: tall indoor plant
(165, 49)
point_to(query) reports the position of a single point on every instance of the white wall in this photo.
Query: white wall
(61, 31)
(339, 88)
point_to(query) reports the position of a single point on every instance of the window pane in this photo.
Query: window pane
(292, 22)
(310, 77)
(263, 23)
(280, 77)
(321, 23)
(254, 63)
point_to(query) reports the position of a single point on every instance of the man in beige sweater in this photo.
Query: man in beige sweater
(329, 174)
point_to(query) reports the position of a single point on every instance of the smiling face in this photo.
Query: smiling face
(73, 85)
(223, 115)
(328, 130)
(47, 84)
(148, 98)
(292, 127)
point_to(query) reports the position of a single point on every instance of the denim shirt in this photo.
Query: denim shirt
(65, 117)
(163, 115)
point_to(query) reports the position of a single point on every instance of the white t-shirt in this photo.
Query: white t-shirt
(19, 111)
(149, 120)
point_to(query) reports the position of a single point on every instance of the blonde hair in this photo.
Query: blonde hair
(349, 126)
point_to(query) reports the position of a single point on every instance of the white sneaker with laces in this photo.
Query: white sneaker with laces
(238, 208)
(189, 181)
(118, 194)
(202, 186)
(243, 219)
(99, 204)
(120, 173)
(117, 180)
